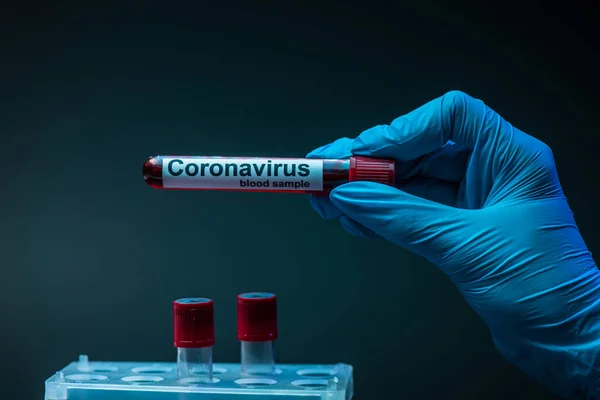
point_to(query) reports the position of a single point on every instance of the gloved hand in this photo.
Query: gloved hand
(482, 201)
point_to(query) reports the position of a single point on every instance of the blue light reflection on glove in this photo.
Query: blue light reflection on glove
(482, 201)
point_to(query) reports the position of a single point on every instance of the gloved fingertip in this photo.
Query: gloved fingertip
(316, 153)
(356, 229)
(363, 145)
(340, 148)
(359, 190)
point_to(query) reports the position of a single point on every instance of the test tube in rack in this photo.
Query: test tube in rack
(257, 332)
(194, 337)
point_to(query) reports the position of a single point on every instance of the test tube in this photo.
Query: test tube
(194, 337)
(257, 332)
(256, 174)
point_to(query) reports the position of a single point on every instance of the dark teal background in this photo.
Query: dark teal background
(91, 258)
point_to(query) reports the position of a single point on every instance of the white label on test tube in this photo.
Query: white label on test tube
(268, 174)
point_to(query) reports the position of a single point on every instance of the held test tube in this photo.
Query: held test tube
(294, 175)
(194, 338)
(257, 332)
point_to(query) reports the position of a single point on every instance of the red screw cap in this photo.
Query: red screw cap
(257, 317)
(372, 169)
(193, 323)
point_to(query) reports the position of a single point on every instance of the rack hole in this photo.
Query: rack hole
(316, 373)
(86, 377)
(216, 371)
(256, 381)
(104, 369)
(311, 383)
(151, 370)
(142, 378)
(195, 380)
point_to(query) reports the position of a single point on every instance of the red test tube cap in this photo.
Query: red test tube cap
(193, 323)
(372, 169)
(257, 317)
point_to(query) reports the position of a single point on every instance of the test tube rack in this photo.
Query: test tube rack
(87, 380)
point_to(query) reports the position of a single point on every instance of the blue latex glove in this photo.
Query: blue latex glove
(482, 201)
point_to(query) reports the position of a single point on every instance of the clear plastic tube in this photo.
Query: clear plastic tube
(195, 362)
(258, 358)
(194, 338)
(257, 332)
